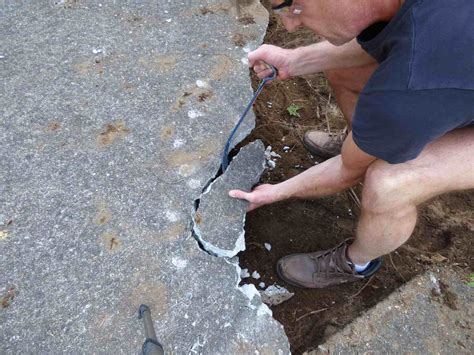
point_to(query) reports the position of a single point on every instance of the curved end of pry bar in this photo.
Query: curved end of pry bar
(142, 309)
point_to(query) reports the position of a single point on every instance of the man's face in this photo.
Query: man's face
(290, 20)
(319, 16)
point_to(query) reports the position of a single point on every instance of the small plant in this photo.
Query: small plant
(470, 283)
(294, 109)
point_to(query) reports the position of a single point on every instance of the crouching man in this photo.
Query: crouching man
(403, 75)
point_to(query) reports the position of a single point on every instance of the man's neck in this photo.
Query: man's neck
(374, 11)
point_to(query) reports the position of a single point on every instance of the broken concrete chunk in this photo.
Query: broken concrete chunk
(275, 295)
(244, 273)
(219, 220)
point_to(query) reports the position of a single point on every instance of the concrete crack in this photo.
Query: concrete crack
(218, 220)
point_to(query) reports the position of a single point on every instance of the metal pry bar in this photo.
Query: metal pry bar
(225, 154)
(151, 346)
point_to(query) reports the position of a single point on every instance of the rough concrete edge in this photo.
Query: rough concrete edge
(249, 291)
(380, 307)
(216, 251)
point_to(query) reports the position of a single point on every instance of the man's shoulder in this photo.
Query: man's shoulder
(428, 45)
(443, 49)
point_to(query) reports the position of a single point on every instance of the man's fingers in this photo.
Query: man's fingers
(259, 67)
(256, 56)
(265, 73)
(241, 195)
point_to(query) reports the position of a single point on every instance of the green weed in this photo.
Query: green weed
(294, 109)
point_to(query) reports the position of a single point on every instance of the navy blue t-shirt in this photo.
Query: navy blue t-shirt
(424, 85)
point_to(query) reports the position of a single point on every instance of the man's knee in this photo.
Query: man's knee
(385, 189)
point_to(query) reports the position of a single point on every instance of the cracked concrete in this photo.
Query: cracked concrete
(218, 222)
(113, 117)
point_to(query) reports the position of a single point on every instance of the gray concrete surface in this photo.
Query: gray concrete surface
(431, 314)
(113, 116)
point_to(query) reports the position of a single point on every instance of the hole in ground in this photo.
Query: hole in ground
(306, 226)
(442, 237)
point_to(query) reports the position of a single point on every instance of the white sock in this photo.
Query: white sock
(360, 268)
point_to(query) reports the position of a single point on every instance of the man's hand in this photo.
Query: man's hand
(260, 196)
(332, 176)
(278, 57)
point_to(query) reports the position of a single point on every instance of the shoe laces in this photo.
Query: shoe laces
(340, 136)
(330, 259)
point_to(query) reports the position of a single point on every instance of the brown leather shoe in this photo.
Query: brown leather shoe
(323, 268)
(323, 144)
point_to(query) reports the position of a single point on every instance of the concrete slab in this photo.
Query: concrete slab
(113, 116)
(431, 314)
(218, 222)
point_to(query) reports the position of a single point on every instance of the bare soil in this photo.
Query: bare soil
(442, 237)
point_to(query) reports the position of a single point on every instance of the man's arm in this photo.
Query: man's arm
(307, 60)
(325, 56)
(332, 176)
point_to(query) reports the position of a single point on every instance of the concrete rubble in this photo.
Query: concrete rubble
(113, 117)
(274, 295)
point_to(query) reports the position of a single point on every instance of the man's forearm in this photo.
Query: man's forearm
(327, 178)
(332, 176)
(325, 56)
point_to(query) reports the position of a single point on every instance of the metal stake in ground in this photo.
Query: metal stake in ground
(225, 154)
(151, 346)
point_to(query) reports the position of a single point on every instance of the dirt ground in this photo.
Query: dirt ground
(442, 237)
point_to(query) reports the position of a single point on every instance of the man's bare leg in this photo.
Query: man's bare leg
(392, 192)
(390, 197)
(347, 84)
